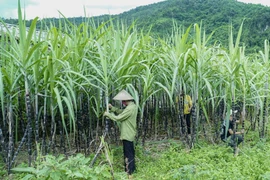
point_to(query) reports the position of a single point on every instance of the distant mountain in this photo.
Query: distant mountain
(215, 15)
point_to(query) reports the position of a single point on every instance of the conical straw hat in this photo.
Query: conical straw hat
(231, 112)
(123, 95)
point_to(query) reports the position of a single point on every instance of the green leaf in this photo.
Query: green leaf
(78, 174)
(26, 169)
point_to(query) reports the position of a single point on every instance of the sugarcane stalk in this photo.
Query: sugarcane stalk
(62, 139)
(36, 122)
(77, 138)
(90, 129)
(107, 154)
(97, 153)
(193, 122)
(20, 115)
(174, 120)
(180, 115)
(243, 113)
(159, 110)
(43, 126)
(265, 109)
(80, 123)
(85, 123)
(19, 147)
(53, 130)
(101, 145)
(260, 122)
(257, 120)
(148, 116)
(145, 125)
(11, 140)
(264, 118)
(183, 122)
(4, 149)
(234, 119)
(165, 107)
(36, 117)
(220, 115)
(29, 127)
(107, 109)
(255, 116)
(141, 122)
(203, 123)
(243, 117)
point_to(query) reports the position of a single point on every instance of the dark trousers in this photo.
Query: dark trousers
(129, 156)
(235, 138)
(187, 118)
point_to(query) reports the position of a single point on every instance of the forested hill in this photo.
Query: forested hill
(215, 15)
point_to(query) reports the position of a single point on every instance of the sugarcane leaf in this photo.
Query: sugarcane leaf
(24, 169)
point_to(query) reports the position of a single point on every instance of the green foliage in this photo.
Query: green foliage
(168, 159)
(75, 167)
(3, 171)
(216, 16)
(171, 161)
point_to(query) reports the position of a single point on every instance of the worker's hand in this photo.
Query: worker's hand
(106, 113)
(242, 131)
(110, 106)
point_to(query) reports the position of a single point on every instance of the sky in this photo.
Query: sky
(77, 8)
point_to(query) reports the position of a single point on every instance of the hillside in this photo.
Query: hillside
(214, 15)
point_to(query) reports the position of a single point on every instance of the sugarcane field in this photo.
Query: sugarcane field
(57, 82)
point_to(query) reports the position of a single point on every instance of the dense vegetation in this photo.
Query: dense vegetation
(165, 159)
(56, 83)
(215, 15)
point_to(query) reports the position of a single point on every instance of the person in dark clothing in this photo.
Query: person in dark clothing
(236, 137)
